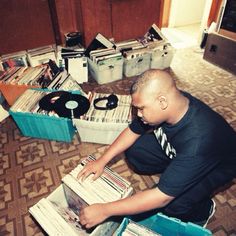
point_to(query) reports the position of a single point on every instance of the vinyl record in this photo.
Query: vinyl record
(71, 105)
(47, 102)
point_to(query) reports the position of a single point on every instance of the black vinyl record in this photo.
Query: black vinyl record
(48, 101)
(71, 105)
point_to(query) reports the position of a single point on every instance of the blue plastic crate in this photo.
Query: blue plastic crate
(167, 226)
(43, 126)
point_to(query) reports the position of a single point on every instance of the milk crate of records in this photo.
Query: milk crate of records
(104, 126)
(35, 122)
(159, 225)
(58, 213)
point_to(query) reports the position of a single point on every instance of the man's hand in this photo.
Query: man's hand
(92, 215)
(93, 167)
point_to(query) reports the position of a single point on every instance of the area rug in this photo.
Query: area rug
(31, 168)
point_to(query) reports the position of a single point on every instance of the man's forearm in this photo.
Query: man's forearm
(123, 142)
(140, 202)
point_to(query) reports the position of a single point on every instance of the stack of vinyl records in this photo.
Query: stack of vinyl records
(153, 38)
(74, 62)
(29, 102)
(135, 229)
(41, 55)
(109, 187)
(121, 114)
(64, 81)
(15, 59)
(56, 103)
(58, 214)
(99, 42)
(24, 75)
(131, 48)
(101, 49)
(103, 54)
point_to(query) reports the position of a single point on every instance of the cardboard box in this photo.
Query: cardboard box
(107, 70)
(98, 132)
(166, 226)
(220, 51)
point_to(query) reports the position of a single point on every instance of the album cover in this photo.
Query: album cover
(15, 59)
(98, 42)
(57, 218)
(108, 187)
(58, 213)
(154, 33)
(41, 55)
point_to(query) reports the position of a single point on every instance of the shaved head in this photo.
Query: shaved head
(155, 82)
(157, 99)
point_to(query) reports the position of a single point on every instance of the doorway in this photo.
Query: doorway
(187, 21)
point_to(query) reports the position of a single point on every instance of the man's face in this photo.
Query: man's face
(148, 108)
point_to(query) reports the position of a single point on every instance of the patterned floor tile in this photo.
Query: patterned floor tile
(32, 168)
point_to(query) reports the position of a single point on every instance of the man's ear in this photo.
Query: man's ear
(163, 102)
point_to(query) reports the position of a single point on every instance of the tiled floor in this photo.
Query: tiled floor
(182, 37)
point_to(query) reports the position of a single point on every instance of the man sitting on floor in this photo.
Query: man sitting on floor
(174, 134)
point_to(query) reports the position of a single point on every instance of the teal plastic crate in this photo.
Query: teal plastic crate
(44, 126)
(166, 226)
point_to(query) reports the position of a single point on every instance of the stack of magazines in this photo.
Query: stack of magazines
(58, 213)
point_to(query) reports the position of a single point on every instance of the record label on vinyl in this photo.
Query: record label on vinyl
(71, 105)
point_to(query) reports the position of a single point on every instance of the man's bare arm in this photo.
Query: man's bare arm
(138, 203)
(123, 141)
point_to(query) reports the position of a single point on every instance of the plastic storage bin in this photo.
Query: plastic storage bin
(97, 132)
(161, 56)
(136, 65)
(44, 126)
(107, 70)
(167, 226)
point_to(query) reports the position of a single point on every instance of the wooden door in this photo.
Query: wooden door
(24, 25)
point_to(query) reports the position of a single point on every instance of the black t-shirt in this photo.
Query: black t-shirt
(203, 140)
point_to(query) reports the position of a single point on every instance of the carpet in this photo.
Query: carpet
(32, 168)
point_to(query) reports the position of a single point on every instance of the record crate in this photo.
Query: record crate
(107, 70)
(104, 125)
(58, 213)
(43, 126)
(165, 226)
(98, 132)
(59, 195)
(161, 56)
(136, 64)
